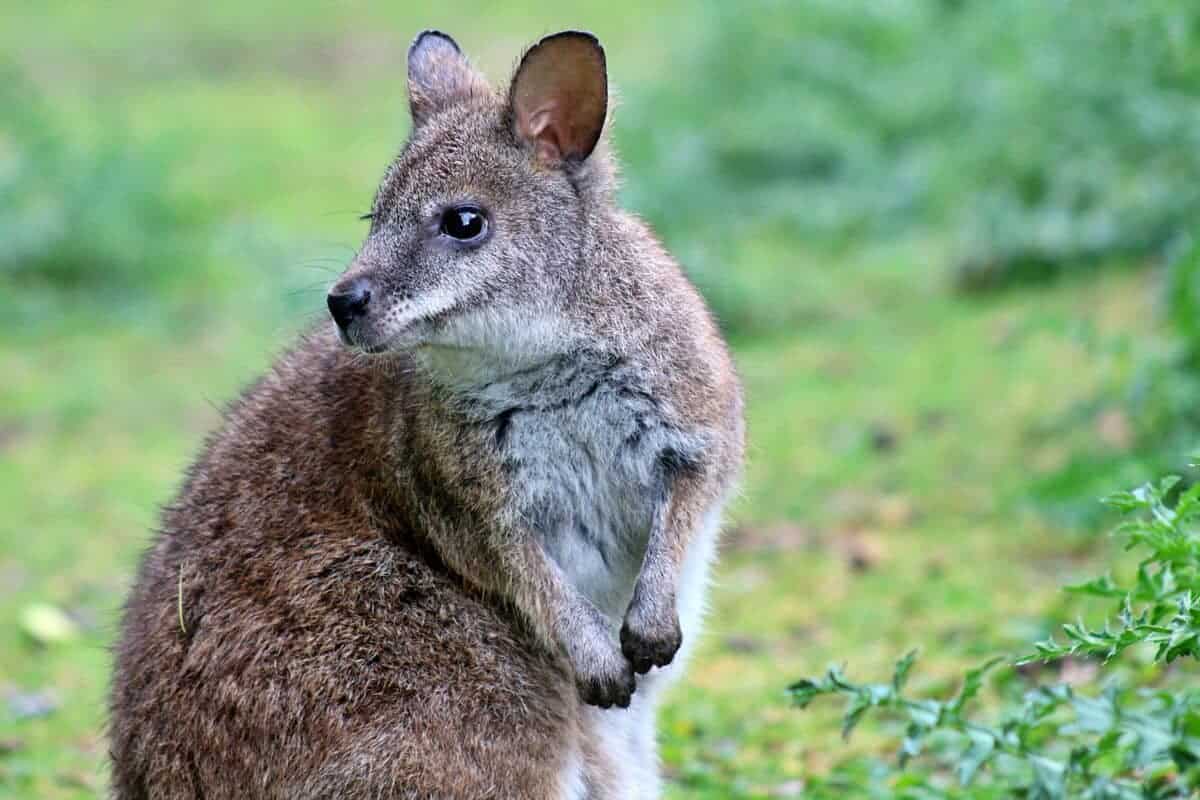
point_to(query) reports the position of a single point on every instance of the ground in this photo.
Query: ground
(893, 432)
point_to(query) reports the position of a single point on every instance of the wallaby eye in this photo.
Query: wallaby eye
(463, 223)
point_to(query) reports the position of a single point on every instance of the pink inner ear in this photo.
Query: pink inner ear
(539, 127)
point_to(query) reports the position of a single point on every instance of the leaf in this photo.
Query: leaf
(903, 667)
(47, 624)
(913, 743)
(1097, 587)
(972, 682)
(1049, 777)
(804, 691)
(1124, 502)
(926, 713)
(854, 714)
(1095, 714)
(982, 746)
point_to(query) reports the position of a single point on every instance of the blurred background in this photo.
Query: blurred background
(951, 242)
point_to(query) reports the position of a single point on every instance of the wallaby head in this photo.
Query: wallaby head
(479, 223)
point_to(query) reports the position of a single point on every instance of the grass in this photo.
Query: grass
(845, 553)
(893, 424)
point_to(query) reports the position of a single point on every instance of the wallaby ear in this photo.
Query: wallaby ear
(439, 76)
(559, 96)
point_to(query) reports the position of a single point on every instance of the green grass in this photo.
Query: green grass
(893, 424)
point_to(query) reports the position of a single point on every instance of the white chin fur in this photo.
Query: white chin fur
(483, 344)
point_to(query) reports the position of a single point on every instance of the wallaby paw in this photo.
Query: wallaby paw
(607, 683)
(647, 646)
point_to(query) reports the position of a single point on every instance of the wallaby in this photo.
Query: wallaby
(430, 560)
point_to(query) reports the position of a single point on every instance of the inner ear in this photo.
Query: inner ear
(439, 76)
(559, 96)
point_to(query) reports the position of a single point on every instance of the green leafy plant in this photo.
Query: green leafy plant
(1129, 741)
(1028, 136)
(1162, 607)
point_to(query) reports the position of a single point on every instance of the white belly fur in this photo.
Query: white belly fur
(628, 737)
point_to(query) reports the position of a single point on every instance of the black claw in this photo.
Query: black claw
(606, 694)
(644, 653)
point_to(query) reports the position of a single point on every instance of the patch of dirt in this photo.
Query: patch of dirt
(1114, 429)
(773, 537)
(862, 550)
(739, 643)
(11, 433)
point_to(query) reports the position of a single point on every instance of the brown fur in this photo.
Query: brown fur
(290, 624)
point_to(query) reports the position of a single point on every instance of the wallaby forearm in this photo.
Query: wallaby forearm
(516, 568)
(651, 635)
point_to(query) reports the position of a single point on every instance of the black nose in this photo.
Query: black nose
(348, 303)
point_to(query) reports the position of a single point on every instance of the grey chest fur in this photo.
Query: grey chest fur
(589, 453)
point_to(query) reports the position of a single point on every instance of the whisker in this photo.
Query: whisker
(312, 287)
(333, 270)
(329, 244)
(341, 213)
